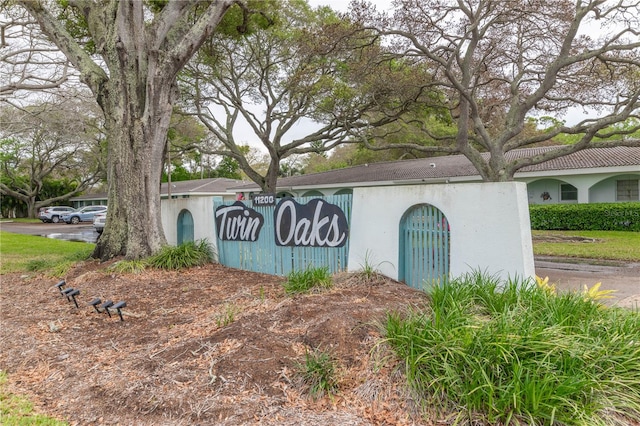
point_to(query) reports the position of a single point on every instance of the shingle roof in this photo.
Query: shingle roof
(211, 185)
(198, 186)
(452, 166)
(587, 158)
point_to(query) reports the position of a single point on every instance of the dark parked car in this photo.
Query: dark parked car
(53, 213)
(84, 214)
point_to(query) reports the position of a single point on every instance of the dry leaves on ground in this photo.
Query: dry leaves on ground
(209, 345)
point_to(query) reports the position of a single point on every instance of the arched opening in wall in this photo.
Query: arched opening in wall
(284, 194)
(424, 247)
(344, 191)
(313, 193)
(551, 191)
(185, 227)
(618, 188)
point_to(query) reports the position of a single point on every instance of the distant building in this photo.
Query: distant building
(213, 187)
(592, 175)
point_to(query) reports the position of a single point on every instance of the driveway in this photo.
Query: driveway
(61, 231)
(575, 274)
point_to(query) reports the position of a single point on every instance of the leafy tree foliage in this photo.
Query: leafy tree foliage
(45, 157)
(302, 85)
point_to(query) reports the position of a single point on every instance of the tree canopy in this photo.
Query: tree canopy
(28, 60)
(40, 148)
(499, 64)
(300, 85)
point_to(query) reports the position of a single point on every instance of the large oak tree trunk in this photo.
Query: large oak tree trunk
(137, 125)
(135, 159)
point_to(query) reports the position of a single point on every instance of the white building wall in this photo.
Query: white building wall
(606, 190)
(490, 227)
(549, 186)
(603, 192)
(202, 211)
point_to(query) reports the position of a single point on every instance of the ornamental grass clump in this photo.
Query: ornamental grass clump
(129, 266)
(495, 352)
(308, 279)
(318, 373)
(185, 255)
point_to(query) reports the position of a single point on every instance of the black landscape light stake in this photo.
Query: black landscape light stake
(61, 285)
(119, 306)
(95, 302)
(70, 293)
(107, 305)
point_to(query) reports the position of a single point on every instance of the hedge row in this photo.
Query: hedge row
(581, 217)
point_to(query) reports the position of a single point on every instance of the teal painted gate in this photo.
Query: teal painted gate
(265, 256)
(424, 247)
(185, 227)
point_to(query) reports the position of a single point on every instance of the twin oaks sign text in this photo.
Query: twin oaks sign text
(315, 224)
(238, 222)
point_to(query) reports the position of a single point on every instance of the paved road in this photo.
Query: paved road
(624, 278)
(62, 231)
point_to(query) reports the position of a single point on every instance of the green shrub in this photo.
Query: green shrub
(584, 217)
(495, 353)
(303, 281)
(319, 373)
(185, 255)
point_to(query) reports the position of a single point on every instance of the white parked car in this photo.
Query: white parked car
(98, 222)
(53, 213)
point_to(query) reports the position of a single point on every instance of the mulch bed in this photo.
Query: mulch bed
(209, 345)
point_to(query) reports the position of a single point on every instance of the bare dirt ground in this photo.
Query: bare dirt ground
(206, 346)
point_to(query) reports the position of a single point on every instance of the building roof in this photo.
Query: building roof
(211, 186)
(458, 166)
(200, 186)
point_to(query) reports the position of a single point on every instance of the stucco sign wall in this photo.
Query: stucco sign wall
(489, 226)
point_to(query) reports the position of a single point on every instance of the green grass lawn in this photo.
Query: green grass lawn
(610, 245)
(20, 253)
